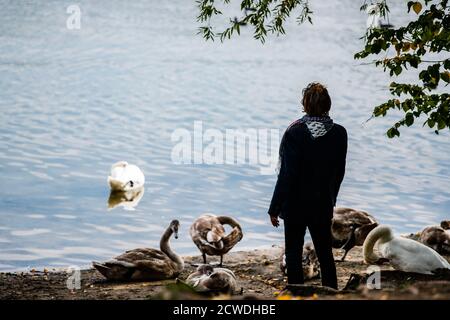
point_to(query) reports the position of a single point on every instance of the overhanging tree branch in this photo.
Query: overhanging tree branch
(412, 44)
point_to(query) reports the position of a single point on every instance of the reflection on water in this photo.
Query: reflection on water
(75, 101)
(126, 199)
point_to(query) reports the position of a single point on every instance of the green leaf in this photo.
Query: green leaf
(441, 124)
(398, 70)
(447, 64)
(392, 132)
(409, 119)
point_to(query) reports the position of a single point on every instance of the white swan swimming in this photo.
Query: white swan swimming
(125, 177)
(403, 254)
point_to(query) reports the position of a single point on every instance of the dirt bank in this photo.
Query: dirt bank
(258, 273)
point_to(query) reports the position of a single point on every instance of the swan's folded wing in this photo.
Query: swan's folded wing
(410, 255)
(226, 271)
(142, 254)
(156, 266)
(134, 174)
(362, 219)
(114, 262)
(357, 218)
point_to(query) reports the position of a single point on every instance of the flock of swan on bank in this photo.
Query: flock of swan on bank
(420, 253)
(207, 232)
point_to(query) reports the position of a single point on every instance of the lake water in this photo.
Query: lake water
(73, 102)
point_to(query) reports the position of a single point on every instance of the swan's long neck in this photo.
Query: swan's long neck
(228, 220)
(165, 247)
(382, 233)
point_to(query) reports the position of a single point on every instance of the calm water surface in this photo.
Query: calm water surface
(75, 101)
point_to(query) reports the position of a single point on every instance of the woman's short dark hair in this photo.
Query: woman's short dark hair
(316, 100)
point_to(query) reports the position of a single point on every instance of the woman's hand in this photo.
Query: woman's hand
(274, 220)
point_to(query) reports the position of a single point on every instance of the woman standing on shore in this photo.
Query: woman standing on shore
(312, 166)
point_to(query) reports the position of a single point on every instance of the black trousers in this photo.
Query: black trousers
(320, 231)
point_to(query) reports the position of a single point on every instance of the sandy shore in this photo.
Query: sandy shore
(258, 273)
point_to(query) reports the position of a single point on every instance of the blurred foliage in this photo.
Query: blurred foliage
(428, 34)
(265, 16)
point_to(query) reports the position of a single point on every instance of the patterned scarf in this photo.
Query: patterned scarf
(317, 127)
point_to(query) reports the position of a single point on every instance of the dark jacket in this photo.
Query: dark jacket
(311, 173)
